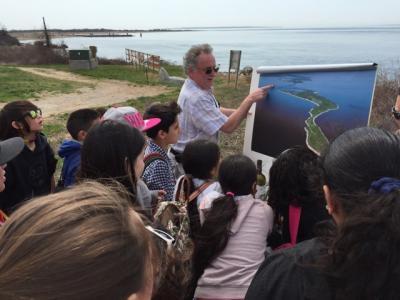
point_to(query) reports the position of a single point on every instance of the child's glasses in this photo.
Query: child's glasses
(34, 113)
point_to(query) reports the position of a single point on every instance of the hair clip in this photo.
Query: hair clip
(384, 185)
(230, 194)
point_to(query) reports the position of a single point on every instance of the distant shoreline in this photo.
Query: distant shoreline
(67, 33)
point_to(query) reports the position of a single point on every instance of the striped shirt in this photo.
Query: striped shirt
(201, 117)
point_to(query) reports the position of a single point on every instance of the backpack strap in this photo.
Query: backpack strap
(184, 185)
(151, 157)
(294, 222)
(199, 190)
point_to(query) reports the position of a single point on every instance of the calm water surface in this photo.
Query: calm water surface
(262, 46)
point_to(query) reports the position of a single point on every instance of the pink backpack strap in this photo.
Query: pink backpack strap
(294, 222)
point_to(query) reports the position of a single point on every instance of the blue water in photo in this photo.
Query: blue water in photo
(280, 119)
(262, 46)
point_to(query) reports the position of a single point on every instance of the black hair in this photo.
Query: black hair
(363, 261)
(110, 151)
(199, 158)
(237, 176)
(295, 178)
(81, 119)
(15, 111)
(355, 159)
(166, 112)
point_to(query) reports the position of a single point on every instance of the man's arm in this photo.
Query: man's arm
(236, 117)
(227, 111)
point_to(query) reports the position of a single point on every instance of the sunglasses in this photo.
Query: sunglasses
(209, 70)
(165, 236)
(34, 113)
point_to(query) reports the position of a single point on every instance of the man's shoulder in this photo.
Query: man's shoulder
(190, 88)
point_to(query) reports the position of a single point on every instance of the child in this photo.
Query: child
(158, 174)
(78, 124)
(131, 116)
(231, 242)
(83, 243)
(200, 161)
(114, 151)
(360, 259)
(295, 185)
(30, 174)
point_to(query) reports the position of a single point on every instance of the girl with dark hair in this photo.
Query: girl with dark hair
(200, 160)
(114, 151)
(30, 174)
(361, 259)
(231, 243)
(295, 180)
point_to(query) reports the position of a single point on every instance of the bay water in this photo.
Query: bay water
(261, 46)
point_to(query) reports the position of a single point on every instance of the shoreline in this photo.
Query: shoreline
(68, 33)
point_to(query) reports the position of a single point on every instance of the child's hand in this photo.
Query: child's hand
(161, 195)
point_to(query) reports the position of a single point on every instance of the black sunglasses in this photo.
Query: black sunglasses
(209, 70)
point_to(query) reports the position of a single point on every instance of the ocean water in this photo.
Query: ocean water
(262, 46)
(280, 121)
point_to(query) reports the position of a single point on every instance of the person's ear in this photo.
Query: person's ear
(17, 125)
(81, 135)
(330, 203)
(161, 134)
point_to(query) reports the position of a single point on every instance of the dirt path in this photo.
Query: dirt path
(104, 92)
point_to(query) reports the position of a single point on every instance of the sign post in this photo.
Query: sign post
(234, 64)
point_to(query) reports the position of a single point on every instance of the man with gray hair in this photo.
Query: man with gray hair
(202, 117)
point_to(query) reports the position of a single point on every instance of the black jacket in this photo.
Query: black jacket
(291, 274)
(28, 175)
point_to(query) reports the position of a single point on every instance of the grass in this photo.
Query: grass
(16, 84)
(123, 72)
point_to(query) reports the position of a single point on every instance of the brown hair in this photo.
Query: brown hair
(83, 243)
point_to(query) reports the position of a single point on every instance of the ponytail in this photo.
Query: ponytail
(212, 237)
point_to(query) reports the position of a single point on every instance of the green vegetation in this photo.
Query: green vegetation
(316, 139)
(16, 84)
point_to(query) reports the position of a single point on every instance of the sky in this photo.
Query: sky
(151, 14)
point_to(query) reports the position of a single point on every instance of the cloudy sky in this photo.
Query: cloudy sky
(148, 14)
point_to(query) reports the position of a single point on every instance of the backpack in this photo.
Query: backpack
(173, 216)
(294, 222)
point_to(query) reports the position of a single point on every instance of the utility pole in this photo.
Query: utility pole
(46, 34)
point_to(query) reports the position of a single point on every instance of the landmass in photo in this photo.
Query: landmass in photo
(311, 108)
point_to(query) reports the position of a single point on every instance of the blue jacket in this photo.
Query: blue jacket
(70, 151)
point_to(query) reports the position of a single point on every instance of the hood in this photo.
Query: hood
(68, 147)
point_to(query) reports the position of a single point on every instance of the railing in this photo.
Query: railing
(142, 60)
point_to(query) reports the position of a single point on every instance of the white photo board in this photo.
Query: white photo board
(309, 105)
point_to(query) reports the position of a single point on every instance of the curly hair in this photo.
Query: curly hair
(190, 58)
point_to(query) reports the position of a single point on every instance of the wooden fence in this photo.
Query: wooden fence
(142, 60)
